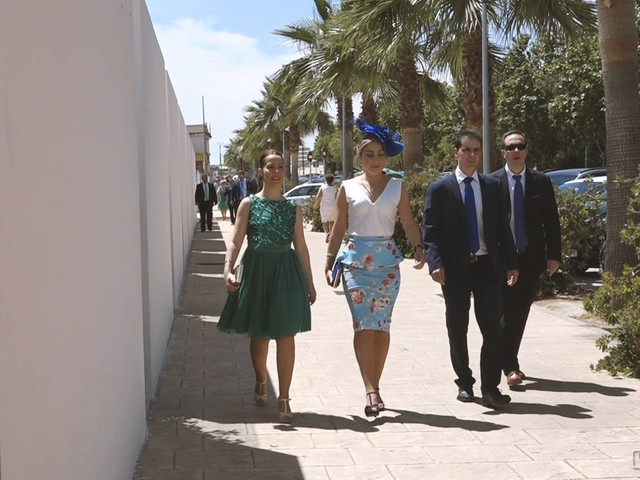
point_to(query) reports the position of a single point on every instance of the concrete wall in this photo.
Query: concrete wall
(95, 173)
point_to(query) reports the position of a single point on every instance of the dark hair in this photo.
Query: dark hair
(513, 132)
(329, 178)
(466, 132)
(267, 153)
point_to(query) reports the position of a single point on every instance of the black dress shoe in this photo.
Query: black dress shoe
(495, 399)
(465, 396)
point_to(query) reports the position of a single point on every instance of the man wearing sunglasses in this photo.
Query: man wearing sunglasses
(533, 217)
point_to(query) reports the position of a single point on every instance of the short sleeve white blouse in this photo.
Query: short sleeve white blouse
(372, 219)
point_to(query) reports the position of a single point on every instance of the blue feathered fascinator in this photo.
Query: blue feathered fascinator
(390, 143)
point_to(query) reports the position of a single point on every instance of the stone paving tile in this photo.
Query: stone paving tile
(313, 457)
(390, 456)
(611, 468)
(475, 453)
(453, 471)
(545, 470)
(359, 473)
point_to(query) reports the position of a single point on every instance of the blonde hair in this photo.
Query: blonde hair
(366, 141)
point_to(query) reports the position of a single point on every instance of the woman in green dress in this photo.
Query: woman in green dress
(223, 206)
(272, 299)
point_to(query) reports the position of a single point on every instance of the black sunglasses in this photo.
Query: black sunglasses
(513, 146)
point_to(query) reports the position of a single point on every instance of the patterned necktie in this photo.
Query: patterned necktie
(518, 215)
(470, 213)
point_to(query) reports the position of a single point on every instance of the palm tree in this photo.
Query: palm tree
(308, 35)
(387, 40)
(618, 46)
(458, 35)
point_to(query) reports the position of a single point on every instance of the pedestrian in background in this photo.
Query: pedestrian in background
(206, 198)
(325, 201)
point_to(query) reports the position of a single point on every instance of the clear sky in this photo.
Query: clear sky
(223, 50)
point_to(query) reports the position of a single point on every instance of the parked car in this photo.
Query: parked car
(303, 193)
(582, 185)
(590, 253)
(558, 177)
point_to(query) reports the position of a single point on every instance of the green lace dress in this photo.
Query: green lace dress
(273, 299)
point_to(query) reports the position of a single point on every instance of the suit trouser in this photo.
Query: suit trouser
(233, 210)
(206, 214)
(480, 280)
(517, 304)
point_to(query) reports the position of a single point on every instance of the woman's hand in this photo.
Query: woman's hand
(327, 275)
(419, 258)
(312, 294)
(232, 285)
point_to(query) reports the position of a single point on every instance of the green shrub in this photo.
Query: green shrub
(618, 303)
(416, 185)
(312, 216)
(583, 227)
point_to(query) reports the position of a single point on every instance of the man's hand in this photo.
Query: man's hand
(438, 276)
(552, 266)
(512, 277)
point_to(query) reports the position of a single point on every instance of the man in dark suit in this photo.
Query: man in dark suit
(534, 221)
(206, 198)
(468, 242)
(239, 190)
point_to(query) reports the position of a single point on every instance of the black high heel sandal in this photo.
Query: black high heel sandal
(371, 410)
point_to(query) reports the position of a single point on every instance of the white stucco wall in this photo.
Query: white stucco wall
(155, 219)
(89, 215)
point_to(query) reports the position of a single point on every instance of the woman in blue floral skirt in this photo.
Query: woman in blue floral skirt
(367, 208)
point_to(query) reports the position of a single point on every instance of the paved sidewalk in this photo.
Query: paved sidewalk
(565, 422)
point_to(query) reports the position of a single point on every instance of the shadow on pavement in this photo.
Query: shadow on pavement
(548, 385)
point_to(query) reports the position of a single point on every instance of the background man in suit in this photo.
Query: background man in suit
(533, 215)
(239, 190)
(206, 198)
(468, 242)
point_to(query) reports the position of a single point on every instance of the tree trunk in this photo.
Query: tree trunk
(472, 84)
(286, 154)
(347, 154)
(294, 144)
(618, 47)
(410, 113)
(369, 110)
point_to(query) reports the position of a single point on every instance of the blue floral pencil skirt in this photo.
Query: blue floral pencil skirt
(371, 280)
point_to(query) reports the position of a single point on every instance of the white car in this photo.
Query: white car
(303, 193)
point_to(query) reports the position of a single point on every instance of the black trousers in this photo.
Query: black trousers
(482, 282)
(206, 214)
(517, 304)
(233, 210)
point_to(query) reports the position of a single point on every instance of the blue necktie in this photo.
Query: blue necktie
(470, 213)
(518, 215)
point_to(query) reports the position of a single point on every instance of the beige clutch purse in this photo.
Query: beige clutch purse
(237, 272)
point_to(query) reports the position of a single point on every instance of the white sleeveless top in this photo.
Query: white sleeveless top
(372, 219)
(329, 193)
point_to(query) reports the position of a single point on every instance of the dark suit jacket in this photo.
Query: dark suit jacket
(541, 216)
(200, 193)
(446, 234)
(236, 191)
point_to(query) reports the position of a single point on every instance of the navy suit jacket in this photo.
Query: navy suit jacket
(541, 216)
(446, 234)
(236, 190)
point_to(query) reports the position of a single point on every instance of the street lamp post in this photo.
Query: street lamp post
(220, 153)
(486, 131)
